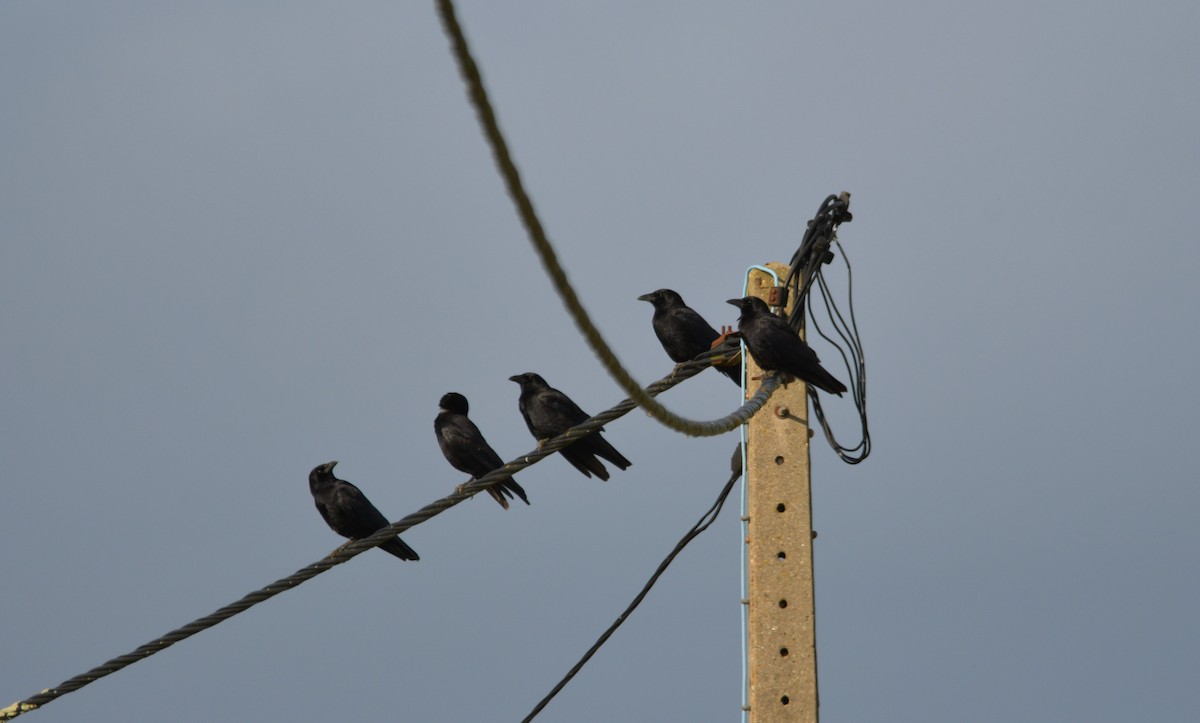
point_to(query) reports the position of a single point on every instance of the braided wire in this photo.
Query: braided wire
(541, 243)
(356, 547)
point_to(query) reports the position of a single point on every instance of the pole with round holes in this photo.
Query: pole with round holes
(781, 625)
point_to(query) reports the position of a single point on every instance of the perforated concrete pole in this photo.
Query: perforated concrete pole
(782, 644)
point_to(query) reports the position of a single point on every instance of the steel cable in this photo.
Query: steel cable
(541, 243)
(351, 549)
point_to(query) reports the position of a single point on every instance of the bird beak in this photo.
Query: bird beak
(515, 378)
(646, 297)
(330, 465)
(735, 302)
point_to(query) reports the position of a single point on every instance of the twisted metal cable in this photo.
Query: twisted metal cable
(356, 547)
(537, 234)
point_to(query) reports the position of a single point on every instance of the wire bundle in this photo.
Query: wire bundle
(806, 272)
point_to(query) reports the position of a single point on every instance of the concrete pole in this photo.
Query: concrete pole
(781, 627)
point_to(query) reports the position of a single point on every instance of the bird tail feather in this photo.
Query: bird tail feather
(397, 547)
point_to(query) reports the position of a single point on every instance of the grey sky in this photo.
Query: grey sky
(238, 240)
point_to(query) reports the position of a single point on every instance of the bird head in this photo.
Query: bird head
(750, 306)
(662, 298)
(322, 475)
(453, 402)
(528, 379)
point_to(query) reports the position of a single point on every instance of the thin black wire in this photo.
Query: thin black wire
(848, 332)
(703, 524)
(356, 547)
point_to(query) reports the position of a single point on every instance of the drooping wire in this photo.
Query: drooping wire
(814, 252)
(848, 333)
(541, 243)
(356, 547)
(703, 524)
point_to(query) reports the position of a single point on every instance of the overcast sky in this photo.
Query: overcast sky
(238, 240)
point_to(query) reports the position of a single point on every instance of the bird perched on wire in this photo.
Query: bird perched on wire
(548, 413)
(775, 346)
(682, 332)
(467, 451)
(349, 512)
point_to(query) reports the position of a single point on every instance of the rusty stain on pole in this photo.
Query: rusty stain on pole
(781, 629)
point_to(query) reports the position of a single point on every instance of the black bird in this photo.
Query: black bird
(778, 348)
(682, 332)
(349, 512)
(467, 451)
(548, 413)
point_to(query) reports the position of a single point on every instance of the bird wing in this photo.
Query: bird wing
(323, 508)
(554, 411)
(695, 325)
(465, 448)
(789, 353)
(359, 517)
(683, 333)
(790, 341)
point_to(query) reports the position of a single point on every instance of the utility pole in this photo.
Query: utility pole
(781, 625)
